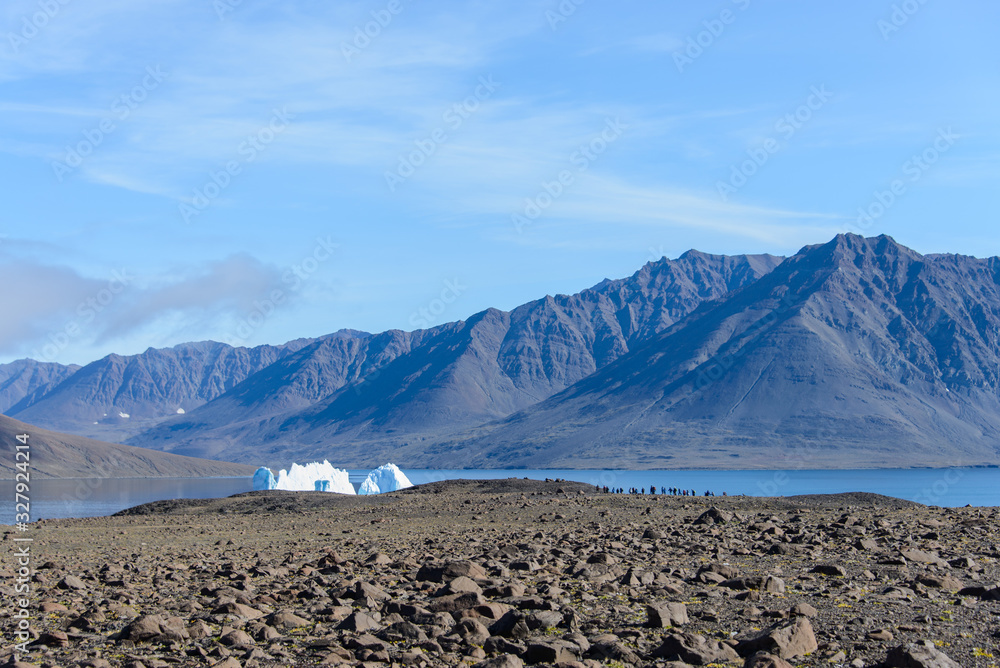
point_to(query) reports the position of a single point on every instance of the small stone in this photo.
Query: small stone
(238, 610)
(378, 559)
(237, 638)
(451, 570)
(883, 635)
(804, 610)
(283, 619)
(945, 582)
(71, 582)
(921, 557)
(52, 606)
(53, 639)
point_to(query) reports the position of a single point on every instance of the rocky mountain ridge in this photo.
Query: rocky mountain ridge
(857, 352)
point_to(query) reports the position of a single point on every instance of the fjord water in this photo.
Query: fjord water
(91, 497)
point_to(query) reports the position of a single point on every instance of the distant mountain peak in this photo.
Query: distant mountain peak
(694, 254)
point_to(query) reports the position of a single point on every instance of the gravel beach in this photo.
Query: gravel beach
(505, 573)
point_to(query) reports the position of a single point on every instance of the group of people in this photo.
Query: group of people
(673, 491)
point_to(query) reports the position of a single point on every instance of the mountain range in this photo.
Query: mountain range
(857, 352)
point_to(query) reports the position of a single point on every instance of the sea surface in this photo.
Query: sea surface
(89, 497)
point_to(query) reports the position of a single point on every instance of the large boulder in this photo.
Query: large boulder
(552, 651)
(695, 649)
(666, 615)
(919, 655)
(455, 602)
(714, 516)
(156, 628)
(786, 640)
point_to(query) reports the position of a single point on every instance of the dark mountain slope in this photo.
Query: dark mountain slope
(22, 382)
(456, 375)
(856, 352)
(54, 455)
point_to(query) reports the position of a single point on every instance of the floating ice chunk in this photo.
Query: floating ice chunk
(263, 479)
(303, 477)
(386, 478)
(180, 411)
(123, 415)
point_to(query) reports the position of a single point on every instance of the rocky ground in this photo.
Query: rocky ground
(510, 573)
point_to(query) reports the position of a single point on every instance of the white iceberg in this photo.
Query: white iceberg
(386, 478)
(304, 478)
(263, 479)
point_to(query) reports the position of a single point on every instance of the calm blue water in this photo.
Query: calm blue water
(940, 487)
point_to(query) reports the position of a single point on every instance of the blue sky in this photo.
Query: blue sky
(253, 171)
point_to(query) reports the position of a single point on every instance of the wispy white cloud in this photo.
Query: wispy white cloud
(367, 109)
(58, 308)
(46, 298)
(225, 87)
(596, 201)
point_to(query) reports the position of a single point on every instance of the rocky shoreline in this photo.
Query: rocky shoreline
(504, 573)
